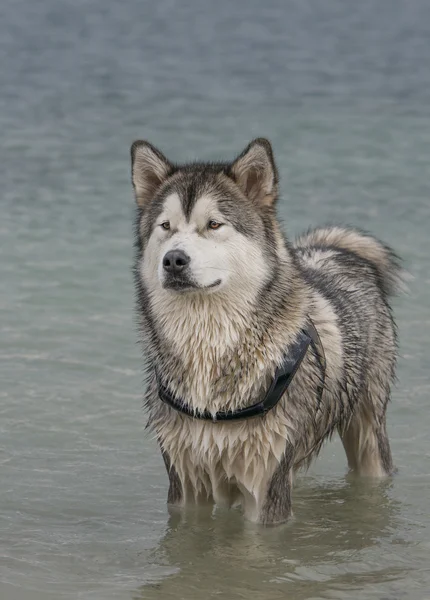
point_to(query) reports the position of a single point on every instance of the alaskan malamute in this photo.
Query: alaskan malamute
(257, 349)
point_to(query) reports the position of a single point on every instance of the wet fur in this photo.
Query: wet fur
(219, 350)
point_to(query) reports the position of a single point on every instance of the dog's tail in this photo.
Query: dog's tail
(388, 266)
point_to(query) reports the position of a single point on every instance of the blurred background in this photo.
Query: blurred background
(342, 89)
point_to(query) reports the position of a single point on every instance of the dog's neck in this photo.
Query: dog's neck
(219, 354)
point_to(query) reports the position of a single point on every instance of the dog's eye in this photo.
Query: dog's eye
(165, 225)
(214, 225)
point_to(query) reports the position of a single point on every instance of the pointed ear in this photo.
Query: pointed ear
(149, 168)
(255, 172)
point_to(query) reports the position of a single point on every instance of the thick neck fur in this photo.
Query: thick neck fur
(220, 350)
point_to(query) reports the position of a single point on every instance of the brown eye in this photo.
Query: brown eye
(165, 225)
(214, 225)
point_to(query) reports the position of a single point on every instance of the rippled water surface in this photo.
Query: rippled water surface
(343, 91)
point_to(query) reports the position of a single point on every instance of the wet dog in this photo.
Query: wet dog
(257, 349)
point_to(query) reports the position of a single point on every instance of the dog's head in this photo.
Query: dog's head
(207, 228)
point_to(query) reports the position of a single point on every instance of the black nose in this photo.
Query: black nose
(175, 261)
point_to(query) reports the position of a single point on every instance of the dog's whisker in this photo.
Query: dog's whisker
(217, 268)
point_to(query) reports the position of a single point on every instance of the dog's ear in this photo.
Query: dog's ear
(149, 168)
(255, 172)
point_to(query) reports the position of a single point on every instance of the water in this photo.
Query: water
(343, 91)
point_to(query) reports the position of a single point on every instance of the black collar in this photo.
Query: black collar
(283, 376)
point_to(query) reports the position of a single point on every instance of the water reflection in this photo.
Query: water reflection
(333, 545)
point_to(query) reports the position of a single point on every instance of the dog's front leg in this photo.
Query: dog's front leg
(276, 507)
(175, 494)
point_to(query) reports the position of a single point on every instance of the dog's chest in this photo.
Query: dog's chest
(214, 371)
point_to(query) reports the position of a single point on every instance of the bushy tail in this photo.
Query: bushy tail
(382, 257)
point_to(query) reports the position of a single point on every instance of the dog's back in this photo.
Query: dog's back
(355, 252)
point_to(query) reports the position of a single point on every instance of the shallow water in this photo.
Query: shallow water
(343, 91)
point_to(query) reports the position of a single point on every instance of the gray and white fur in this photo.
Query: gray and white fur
(221, 296)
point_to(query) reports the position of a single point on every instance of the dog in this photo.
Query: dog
(257, 349)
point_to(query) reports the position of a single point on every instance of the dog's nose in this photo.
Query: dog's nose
(175, 261)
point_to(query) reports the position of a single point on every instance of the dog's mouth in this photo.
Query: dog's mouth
(181, 285)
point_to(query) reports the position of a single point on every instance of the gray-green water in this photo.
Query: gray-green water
(343, 91)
